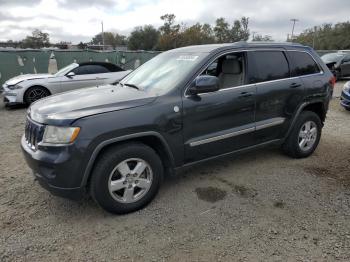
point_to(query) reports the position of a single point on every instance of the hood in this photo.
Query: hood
(64, 108)
(20, 78)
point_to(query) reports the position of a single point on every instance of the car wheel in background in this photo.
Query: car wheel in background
(35, 93)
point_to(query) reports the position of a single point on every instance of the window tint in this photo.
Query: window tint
(90, 69)
(113, 68)
(303, 64)
(270, 65)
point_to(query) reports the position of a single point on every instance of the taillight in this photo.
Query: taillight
(332, 81)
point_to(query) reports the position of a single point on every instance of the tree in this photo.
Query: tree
(143, 38)
(169, 32)
(260, 38)
(326, 36)
(110, 38)
(38, 39)
(239, 30)
(63, 45)
(222, 30)
(197, 35)
(82, 45)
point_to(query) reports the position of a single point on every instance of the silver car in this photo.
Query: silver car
(25, 89)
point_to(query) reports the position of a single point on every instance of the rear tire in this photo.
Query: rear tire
(126, 178)
(304, 137)
(35, 93)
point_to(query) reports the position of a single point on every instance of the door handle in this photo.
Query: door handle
(295, 85)
(245, 94)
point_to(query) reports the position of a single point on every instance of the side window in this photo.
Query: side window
(114, 68)
(97, 69)
(229, 69)
(212, 69)
(303, 64)
(270, 65)
(90, 69)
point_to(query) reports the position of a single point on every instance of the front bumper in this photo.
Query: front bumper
(55, 169)
(345, 99)
(11, 97)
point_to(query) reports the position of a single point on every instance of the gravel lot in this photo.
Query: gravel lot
(260, 206)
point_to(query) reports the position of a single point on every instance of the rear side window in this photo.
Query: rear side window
(90, 69)
(303, 64)
(270, 65)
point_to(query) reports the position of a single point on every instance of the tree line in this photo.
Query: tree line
(172, 35)
(327, 36)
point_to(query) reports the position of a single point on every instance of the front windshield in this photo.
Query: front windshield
(333, 57)
(66, 69)
(163, 72)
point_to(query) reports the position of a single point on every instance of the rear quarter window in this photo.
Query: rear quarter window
(303, 64)
(269, 65)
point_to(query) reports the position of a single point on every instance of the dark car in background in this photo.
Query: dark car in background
(338, 63)
(345, 96)
(181, 108)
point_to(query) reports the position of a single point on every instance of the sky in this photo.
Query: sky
(80, 20)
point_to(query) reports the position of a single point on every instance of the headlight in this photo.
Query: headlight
(14, 87)
(60, 135)
(347, 87)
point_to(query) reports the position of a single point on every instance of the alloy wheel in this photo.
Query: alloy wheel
(130, 180)
(307, 135)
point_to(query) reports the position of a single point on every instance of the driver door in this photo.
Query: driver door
(85, 76)
(222, 121)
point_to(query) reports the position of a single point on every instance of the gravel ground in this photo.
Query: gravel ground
(260, 206)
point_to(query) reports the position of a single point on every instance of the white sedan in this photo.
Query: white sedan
(25, 89)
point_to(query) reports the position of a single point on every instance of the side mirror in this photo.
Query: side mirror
(70, 74)
(204, 84)
(346, 60)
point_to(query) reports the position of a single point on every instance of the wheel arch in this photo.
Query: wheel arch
(32, 86)
(318, 107)
(152, 139)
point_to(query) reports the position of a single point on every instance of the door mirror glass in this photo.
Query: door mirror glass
(204, 84)
(70, 74)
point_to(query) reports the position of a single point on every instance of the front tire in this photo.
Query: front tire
(126, 178)
(304, 137)
(35, 93)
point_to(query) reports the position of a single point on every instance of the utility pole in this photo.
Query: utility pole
(103, 38)
(254, 33)
(294, 20)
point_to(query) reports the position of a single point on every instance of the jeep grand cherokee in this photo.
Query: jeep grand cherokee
(183, 107)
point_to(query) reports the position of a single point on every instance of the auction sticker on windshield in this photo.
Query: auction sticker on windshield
(187, 58)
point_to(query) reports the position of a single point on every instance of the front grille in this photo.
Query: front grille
(33, 133)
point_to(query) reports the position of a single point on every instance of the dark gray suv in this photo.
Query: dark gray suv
(183, 107)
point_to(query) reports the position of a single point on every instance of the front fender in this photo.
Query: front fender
(105, 143)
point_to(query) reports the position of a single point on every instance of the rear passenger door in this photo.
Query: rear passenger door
(277, 94)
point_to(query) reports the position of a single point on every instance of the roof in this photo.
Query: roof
(217, 47)
(95, 63)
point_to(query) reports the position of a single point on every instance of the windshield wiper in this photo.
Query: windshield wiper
(131, 85)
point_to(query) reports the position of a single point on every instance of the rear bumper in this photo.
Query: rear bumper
(345, 99)
(55, 171)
